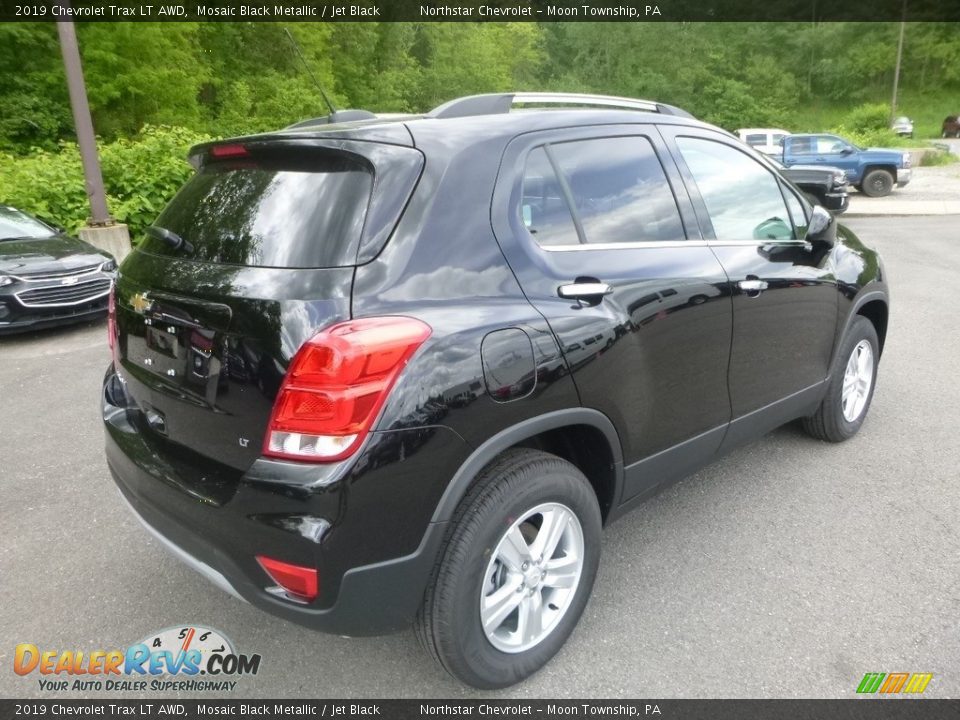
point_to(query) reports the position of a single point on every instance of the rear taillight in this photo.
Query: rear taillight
(336, 385)
(302, 583)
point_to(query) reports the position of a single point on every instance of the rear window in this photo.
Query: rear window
(288, 212)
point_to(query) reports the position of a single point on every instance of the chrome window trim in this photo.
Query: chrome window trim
(669, 244)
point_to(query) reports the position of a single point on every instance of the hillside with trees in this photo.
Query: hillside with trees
(186, 81)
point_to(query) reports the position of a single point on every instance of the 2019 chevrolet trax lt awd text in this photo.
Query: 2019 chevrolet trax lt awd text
(383, 372)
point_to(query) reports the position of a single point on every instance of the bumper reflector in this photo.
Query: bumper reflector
(300, 582)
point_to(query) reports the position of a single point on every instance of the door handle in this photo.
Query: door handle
(753, 287)
(578, 290)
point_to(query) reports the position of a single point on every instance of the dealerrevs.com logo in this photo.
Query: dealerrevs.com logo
(185, 658)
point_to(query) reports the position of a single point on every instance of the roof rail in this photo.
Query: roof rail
(336, 117)
(500, 103)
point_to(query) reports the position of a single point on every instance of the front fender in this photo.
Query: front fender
(861, 281)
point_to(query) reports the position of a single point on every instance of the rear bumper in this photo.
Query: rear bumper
(219, 537)
(183, 556)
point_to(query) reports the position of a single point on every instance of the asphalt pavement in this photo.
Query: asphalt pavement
(787, 569)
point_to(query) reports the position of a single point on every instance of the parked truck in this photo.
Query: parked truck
(822, 184)
(873, 171)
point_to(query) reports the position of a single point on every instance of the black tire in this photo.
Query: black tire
(828, 422)
(877, 183)
(448, 624)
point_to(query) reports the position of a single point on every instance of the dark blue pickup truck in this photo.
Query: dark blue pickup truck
(873, 171)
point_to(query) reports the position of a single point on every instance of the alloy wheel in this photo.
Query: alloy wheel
(857, 381)
(531, 578)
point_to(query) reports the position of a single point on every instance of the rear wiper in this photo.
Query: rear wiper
(170, 238)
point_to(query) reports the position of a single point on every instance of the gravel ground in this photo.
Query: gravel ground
(940, 182)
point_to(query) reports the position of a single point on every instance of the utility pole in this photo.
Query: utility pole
(896, 72)
(101, 231)
(83, 123)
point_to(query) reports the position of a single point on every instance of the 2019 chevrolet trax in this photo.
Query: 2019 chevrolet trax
(369, 373)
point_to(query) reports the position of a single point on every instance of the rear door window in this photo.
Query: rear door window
(280, 210)
(617, 186)
(546, 214)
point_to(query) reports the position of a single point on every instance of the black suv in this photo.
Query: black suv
(374, 373)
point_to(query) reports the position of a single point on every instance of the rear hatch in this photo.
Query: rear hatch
(272, 229)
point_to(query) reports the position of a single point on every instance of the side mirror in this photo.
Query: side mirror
(821, 227)
(846, 150)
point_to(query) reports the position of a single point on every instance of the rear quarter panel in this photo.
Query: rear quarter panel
(444, 266)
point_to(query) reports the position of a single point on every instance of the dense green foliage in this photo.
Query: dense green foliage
(141, 175)
(225, 78)
(221, 79)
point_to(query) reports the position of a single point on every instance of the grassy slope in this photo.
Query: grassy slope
(926, 110)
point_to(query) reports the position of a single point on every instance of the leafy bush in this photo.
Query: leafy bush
(47, 184)
(868, 125)
(868, 118)
(938, 157)
(871, 138)
(140, 176)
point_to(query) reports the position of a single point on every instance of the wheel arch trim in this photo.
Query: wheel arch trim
(887, 167)
(855, 308)
(508, 437)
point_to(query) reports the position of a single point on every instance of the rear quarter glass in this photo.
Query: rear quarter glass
(272, 209)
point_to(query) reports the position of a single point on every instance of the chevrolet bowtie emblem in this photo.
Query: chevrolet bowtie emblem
(141, 303)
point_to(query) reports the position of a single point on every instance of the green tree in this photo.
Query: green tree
(139, 73)
(33, 94)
